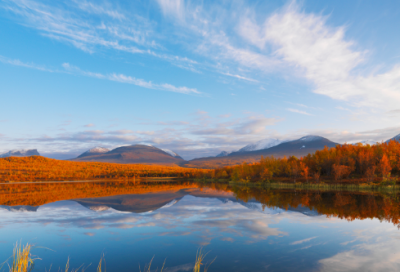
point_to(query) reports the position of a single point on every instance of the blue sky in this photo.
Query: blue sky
(196, 77)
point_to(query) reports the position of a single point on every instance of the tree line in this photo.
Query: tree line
(379, 163)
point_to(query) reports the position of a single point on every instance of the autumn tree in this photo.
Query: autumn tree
(304, 170)
(385, 167)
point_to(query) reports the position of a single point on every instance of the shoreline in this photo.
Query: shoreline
(311, 186)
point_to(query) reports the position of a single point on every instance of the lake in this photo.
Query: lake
(240, 228)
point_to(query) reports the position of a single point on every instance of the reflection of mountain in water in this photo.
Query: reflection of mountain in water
(21, 208)
(154, 201)
(133, 203)
(257, 206)
(147, 202)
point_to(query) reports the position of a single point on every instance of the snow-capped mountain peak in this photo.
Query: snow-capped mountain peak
(98, 149)
(310, 138)
(170, 152)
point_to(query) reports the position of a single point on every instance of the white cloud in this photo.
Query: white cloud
(17, 62)
(113, 76)
(303, 241)
(172, 7)
(288, 41)
(299, 111)
(97, 9)
(241, 77)
(132, 80)
(376, 250)
(107, 27)
(323, 55)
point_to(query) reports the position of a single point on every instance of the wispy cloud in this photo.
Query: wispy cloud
(172, 7)
(107, 27)
(131, 80)
(17, 62)
(290, 41)
(303, 241)
(112, 77)
(241, 77)
(299, 111)
(324, 56)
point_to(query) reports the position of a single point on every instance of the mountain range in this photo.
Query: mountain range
(299, 148)
(148, 154)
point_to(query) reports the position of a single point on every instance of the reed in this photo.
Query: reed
(22, 258)
(23, 261)
(200, 256)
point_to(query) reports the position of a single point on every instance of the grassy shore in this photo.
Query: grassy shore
(321, 186)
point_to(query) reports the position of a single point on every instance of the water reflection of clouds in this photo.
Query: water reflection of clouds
(363, 245)
(376, 250)
(196, 215)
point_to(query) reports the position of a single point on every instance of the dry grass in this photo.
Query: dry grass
(23, 261)
(200, 256)
(22, 258)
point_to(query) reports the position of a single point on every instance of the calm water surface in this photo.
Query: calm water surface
(246, 229)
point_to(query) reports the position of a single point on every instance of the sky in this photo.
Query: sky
(196, 77)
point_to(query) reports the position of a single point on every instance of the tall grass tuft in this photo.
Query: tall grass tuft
(99, 267)
(22, 258)
(200, 256)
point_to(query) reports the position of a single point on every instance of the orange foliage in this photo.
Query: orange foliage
(384, 165)
(38, 168)
(357, 162)
(36, 194)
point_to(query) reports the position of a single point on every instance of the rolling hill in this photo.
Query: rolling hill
(134, 154)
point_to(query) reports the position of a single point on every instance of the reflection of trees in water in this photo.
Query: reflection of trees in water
(341, 204)
(39, 194)
(344, 205)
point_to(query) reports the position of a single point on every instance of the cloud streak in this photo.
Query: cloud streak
(131, 80)
(112, 77)
(299, 111)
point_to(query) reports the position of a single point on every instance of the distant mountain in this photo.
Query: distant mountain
(366, 142)
(263, 144)
(94, 151)
(143, 154)
(396, 138)
(299, 148)
(222, 154)
(20, 153)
